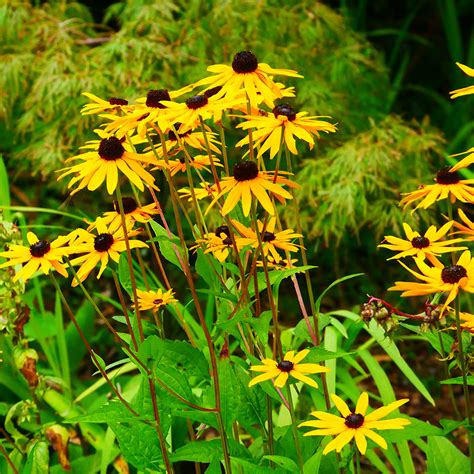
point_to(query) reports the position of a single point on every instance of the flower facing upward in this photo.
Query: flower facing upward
(290, 365)
(421, 246)
(104, 163)
(154, 299)
(356, 424)
(132, 212)
(465, 90)
(271, 240)
(98, 105)
(98, 248)
(448, 183)
(246, 73)
(284, 123)
(39, 254)
(248, 181)
(447, 279)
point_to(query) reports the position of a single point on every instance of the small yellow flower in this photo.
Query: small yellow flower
(154, 299)
(448, 184)
(356, 424)
(283, 124)
(439, 278)
(465, 90)
(99, 106)
(421, 246)
(198, 162)
(281, 264)
(39, 254)
(204, 190)
(290, 365)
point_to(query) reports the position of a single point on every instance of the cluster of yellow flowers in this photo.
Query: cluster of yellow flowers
(160, 134)
(435, 276)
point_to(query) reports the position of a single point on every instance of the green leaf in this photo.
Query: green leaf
(5, 194)
(443, 457)
(100, 363)
(261, 325)
(282, 461)
(124, 273)
(205, 451)
(416, 429)
(333, 284)
(169, 245)
(276, 277)
(208, 268)
(458, 380)
(37, 461)
(111, 412)
(230, 399)
(214, 467)
(451, 425)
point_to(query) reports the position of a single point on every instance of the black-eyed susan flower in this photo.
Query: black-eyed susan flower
(133, 212)
(199, 162)
(38, 254)
(99, 247)
(188, 113)
(281, 264)
(282, 125)
(204, 190)
(355, 424)
(219, 243)
(247, 74)
(466, 229)
(246, 182)
(271, 240)
(290, 365)
(446, 279)
(465, 90)
(466, 161)
(467, 319)
(154, 300)
(416, 245)
(448, 184)
(99, 106)
(104, 163)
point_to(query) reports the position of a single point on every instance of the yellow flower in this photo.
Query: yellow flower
(154, 299)
(283, 122)
(39, 254)
(104, 163)
(132, 212)
(466, 161)
(446, 279)
(248, 181)
(281, 264)
(448, 184)
(246, 73)
(271, 240)
(98, 105)
(98, 248)
(290, 365)
(356, 424)
(465, 90)
(421, 246)
(199, 162)
(204, 191)
(468, 229)
(468, 324)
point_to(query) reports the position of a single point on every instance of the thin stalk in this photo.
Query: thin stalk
(224, 150)
(7, 458)
(357, 461)
(271, 447)
(294, 429)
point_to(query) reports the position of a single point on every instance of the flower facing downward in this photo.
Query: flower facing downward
(448, 184)
(39, 254)
(154, 299)
(439, 278)
(247, 74)
(421, 246)
(465, 90)
(248, 181)
(356, 424)
(286, 123)
(290, 365)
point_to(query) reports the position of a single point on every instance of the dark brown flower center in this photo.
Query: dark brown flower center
(117, 101)
(158, 301)
(213, 91)
(354, 420)
(222, 229)
(172, 136)
(154, 98)
(268, 236)
(286, 110)
(129, 205)
(285, 366)
(227, 241)
(420, 242)
(245, 171)
(244, 62)
(444, 176)
(453, 273)
(111, 149)
(196, 102)
(103, 242)
(40, 248)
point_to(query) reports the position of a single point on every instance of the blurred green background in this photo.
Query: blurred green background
(381, 69)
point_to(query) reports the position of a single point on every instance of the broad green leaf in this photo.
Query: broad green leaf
(249, 467)
(443, 457)
(37, 461)
(124, 274)
(230, 399)
(214, 467)
(207, 267)
(459, 380)
(205, 451)
(451, 425)
(286, 463)
(111, 412)
(170, 247)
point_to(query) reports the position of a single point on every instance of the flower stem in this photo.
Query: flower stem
(295, 430)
